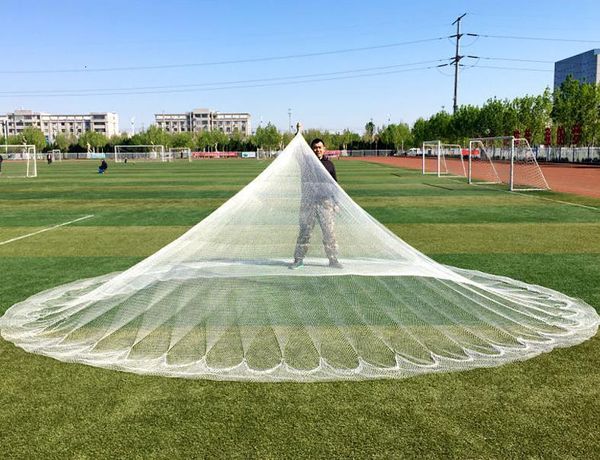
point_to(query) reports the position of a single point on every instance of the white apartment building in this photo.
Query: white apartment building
(204, 120)
(106, 123)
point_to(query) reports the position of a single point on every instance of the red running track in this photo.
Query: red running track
(576, 179)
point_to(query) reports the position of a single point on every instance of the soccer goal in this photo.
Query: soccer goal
(57, 155)
(430, 156)
(262, 154)
(443, 159)
(18, 160)
(505, 160)
(140, 152)
(180, 153)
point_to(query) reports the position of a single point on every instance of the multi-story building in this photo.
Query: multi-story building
(204, 120)
(106, 123)
(584, 67)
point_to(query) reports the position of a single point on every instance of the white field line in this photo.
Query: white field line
(557, 201)
(537, 197)
(45, 230)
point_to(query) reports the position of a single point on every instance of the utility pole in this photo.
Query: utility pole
(290, 120)
(456, 61)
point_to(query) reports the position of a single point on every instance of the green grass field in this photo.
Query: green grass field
(546, 407)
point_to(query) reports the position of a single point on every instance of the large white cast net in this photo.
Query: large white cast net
(221, 302)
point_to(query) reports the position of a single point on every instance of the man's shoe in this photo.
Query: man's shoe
(298, 263)
(334, 263)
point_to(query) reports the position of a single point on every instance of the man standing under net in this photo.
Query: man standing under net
(318, 203)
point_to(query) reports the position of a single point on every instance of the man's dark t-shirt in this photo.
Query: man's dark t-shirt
(316, 185)
(329, 167)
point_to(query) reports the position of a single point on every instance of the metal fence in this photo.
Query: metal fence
(370, 153)
(582, 155)
(568, 154)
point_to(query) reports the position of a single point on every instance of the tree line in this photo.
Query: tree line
(569, 116)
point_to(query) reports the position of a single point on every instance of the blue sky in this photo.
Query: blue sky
(49, 38)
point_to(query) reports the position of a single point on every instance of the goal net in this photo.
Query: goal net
(430, 154)
(18, 160)
(443, 159)
(57, 155)
(140, 152)
(179, 153)
(262, 154)
(505, 160)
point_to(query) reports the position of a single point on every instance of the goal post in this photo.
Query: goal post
(505, 160)
(430, 156)
(149, 152)
(525, 172)
(18, 160)
(262, 154)
(452, 162)
(481, 168)
(443, 159)
(56, 155)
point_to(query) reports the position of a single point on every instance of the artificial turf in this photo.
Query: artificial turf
(546, 407)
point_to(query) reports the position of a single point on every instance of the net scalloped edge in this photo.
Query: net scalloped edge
(583, 324)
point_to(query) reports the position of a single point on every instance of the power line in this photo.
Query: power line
(227, 87)
(514, 59)
(255, 83)
(514, 37)
(219, 83)
(286, 80)
(511, 68)
(226, 62)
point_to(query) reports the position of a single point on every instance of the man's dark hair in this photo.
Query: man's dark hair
(315, 141)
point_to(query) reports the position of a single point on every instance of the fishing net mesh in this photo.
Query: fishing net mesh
(222, 302)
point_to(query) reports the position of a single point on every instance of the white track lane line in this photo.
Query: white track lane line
(45, 230)
(557, 201)
(537, 197)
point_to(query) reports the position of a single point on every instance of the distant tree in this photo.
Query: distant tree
(137, 139)
(418, 132)
(369, 134)
(310, 134)
(63, 141)
(286, 138)
(267, 137)
(183, 140)
(489, 120)
(14, 140)
(465, 124)
(438, 126)
(566, 111)
(395, 136)
(157, 136)
(578, 105)
(95, 140)
(533, 114)
(348, 139)
(589, 118)
(218, 138)
(119, 139)
(203, 140)
(237, 141)
(34, 136)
